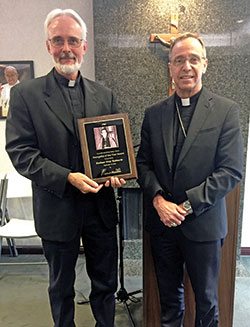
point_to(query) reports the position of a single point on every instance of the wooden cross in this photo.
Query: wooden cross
(166, 40)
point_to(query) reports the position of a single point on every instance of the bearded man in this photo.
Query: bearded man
(42, 141)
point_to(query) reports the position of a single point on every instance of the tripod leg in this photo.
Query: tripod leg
(131, 320)
(135, 292)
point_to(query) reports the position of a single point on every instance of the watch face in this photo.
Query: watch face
(186, 206)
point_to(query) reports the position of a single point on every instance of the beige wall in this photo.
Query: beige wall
(22, 38)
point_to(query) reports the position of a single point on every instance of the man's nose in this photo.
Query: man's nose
(66, 47)
(187, 65)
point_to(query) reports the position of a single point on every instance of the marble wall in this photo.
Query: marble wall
(137, 70)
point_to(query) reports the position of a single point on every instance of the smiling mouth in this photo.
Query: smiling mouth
(186, 77)
(67, 56)
(67, 60)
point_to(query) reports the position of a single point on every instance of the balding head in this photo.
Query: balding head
(11, 75)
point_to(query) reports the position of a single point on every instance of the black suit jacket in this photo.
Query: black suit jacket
(42, 144)
(209, 165)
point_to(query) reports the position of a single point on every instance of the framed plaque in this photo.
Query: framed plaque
(107, 147)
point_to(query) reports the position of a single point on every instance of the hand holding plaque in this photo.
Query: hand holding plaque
(107, 147)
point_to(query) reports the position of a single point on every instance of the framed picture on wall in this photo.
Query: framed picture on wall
(12, 73)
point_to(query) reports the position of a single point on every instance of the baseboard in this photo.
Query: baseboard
(29, 249)
(38, 250)
(245, 251)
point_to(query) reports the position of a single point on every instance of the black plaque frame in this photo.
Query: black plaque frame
(117, 157)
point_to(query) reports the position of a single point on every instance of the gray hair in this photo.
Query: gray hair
(10, 68)
(186, 36)
(65, 12)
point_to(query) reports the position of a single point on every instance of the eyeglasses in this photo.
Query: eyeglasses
(193, 60)
(58, 42)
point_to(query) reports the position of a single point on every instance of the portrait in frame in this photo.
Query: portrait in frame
(107, 147)
(16, 72)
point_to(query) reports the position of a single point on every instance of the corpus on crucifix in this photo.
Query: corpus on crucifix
(166, 40)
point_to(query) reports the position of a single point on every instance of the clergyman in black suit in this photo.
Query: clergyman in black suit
(190, 157)
(42, 141)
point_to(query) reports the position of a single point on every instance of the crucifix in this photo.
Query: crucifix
(166, 40)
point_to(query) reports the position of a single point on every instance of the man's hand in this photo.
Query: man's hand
(169, 212)
(115, 182)
(84, 183)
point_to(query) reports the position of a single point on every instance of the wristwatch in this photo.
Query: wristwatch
(187, 206)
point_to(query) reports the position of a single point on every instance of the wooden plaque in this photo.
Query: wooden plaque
(107, 147)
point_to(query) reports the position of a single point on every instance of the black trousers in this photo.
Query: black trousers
(100, 246)
(171, 250)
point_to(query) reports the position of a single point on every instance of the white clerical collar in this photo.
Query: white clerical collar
(185, 102)
(71, 83)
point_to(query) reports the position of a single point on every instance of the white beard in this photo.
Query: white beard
(67, 69)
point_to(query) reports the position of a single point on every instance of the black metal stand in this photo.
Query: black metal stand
(122, 295)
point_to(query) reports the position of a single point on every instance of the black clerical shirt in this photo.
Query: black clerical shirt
(186, 114)
(73, 93)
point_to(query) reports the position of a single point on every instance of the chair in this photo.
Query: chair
(13, 185)
(2, 177)
(2, 194)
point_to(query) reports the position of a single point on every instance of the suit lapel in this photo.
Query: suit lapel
(56, 102)
(167, 121)
(202, 110)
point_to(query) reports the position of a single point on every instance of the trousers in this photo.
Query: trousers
(172, 252)
(101, 252)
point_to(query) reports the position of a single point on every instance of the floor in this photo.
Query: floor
(24, 301)
(242, 293)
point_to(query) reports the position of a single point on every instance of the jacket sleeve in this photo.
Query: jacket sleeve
(228, 166)
(146, 176)
(23, 148)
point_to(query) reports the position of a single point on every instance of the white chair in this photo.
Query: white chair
(2, 218)
(2, 178)
(14, 186)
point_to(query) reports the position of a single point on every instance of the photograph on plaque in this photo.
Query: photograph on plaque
(107, 147)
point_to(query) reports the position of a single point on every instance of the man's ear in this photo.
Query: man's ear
(48, 46)
(205, 66)
(170, 71)
(84, 47)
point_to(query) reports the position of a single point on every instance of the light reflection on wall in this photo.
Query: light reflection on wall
(162, 7)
